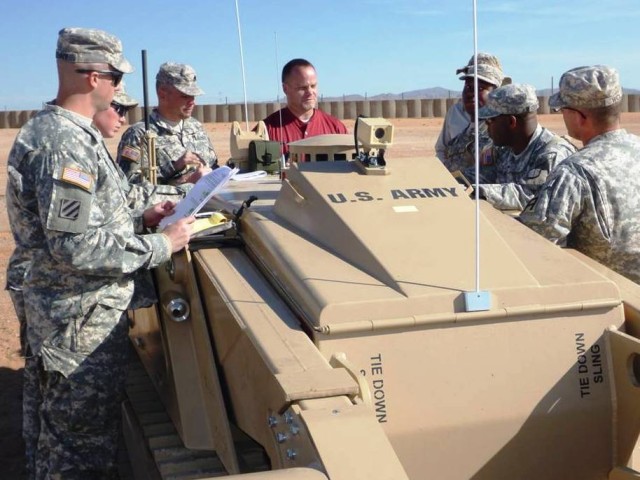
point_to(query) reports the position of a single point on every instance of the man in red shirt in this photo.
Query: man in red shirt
(300, 118)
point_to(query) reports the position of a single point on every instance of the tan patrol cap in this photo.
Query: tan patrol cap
(181, 76)
(87, 45)
(588, 87)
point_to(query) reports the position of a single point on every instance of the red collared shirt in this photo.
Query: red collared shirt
(294, 129)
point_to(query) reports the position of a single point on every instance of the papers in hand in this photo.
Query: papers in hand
(201, 192)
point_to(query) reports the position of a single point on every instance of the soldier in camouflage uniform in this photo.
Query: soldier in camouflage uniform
(140, 197)
(524, 152)
(68, 210)
(455, 146)
(183, 150)
(590, 201)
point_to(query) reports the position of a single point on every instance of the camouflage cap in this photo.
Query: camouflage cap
(181, 76)
(87, 45)
(483, 58)
(489, 69)
(512, 99)
(588, 87)
(121, 97)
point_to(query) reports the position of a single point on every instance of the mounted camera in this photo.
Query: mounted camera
(374, 135)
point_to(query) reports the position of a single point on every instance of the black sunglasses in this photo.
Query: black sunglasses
(116, 77)
(121, 110)
(574, 110)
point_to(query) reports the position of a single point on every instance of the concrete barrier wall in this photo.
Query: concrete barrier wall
(634, 103)
(414, 108)
(337, 109)
(388, 109)
(14, 120)
(375, 108)
(364, 108)
(273, 107)
(349, 109)
(222, 113)
(451, 102)
(625, 103)
(260, 111)
(543, 103)
(325, 107)
(426, 105)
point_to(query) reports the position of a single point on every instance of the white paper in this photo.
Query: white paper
(243, 177)
(201, 192)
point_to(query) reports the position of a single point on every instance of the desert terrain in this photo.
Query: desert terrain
(413, 138)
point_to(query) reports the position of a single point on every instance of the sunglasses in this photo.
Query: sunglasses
(574, 110)
(116, 77)
(121, 110)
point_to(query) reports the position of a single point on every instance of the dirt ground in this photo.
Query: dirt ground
(413, 137)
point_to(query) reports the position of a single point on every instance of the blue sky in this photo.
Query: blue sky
(359, 47)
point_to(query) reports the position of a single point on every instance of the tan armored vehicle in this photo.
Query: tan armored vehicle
(331, 332)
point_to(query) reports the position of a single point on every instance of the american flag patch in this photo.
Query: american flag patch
(130, 153)
(77, 177)
(486, 157)
(69, 209)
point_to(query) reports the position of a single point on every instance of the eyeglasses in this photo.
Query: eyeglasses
(574, 110)
(121, 110)
(116, 77)
(490, 120)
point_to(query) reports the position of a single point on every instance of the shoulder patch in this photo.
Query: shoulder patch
(131, 153)
(486, 157)
(69, 208)
(77, 177)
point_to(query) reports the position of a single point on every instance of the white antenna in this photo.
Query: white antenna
(477, 300)
(278, 86)
(244, 80)
(282, 159)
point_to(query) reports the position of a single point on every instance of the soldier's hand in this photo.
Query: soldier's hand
(152, 216)
(179, 233)
(196, 175)
(189, 158)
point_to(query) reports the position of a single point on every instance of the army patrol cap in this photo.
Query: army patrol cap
(588, 87)
(489, 69)
(483, 58)
(181, 76)
(87, 45)
(121, 97)
(513, 99)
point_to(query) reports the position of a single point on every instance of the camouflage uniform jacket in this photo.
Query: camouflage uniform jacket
(455, 122)
(516, 178)
(590, 202)
(68, 209)
(172, 142)
(460, 152)
(139, 198)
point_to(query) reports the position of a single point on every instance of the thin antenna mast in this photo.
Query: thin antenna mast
(283, 161)
(476, 139)
(244, 80)
(477, 300)
(275, 41)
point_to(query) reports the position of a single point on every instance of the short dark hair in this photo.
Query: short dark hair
(604, 117)
(291, 64)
